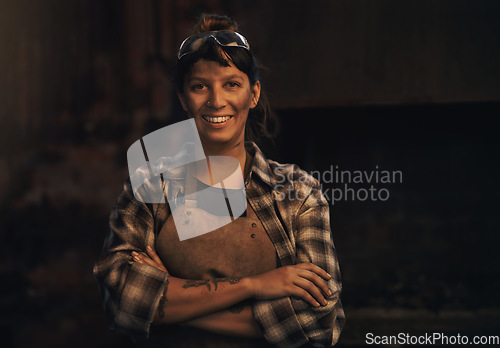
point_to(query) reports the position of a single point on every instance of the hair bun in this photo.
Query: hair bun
(211, 22)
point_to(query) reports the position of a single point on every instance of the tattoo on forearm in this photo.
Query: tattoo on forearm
(163, 300)
(230, 280)
(197, 283)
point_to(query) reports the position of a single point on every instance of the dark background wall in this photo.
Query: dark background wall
(409, 86)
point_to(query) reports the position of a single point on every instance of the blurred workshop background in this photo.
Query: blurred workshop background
(408, 86)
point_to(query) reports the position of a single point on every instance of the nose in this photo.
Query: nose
(216, 99)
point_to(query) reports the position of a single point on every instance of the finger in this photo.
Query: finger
(137, 257)
(312, 289)
(316, 269)
(148, 261)
(156, 259)
(154, 255)
(318, 281)
(306, 296)
(144, 259)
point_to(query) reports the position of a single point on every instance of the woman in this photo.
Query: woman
(271, 276)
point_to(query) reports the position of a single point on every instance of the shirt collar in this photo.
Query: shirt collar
(260, 165)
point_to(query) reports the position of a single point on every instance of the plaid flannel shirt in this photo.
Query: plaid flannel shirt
(295, 214)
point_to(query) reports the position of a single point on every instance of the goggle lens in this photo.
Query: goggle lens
(225, 38)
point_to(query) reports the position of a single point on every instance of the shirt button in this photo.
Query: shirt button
(186, 222)
(252, 235)
(254, 224)
(188, 213)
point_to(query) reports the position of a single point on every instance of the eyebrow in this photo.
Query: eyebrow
(235, 76)
(230, 77)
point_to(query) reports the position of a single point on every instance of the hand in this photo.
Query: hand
(152, 259)
(304, 280)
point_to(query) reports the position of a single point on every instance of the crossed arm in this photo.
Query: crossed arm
(216, 304)
(135, 293)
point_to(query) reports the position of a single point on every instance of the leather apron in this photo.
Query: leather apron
(241, 248)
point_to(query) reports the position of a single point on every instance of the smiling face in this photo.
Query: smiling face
(219, 98)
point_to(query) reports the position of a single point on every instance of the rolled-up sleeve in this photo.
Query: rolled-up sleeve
(130, 291)
(290, 321)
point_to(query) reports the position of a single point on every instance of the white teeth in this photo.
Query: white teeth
(216, 119)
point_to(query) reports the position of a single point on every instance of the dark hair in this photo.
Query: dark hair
(261, 123)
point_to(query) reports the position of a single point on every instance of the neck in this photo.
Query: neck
(236, 151)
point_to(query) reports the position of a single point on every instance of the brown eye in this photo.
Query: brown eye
(232, 84)
(198, 86)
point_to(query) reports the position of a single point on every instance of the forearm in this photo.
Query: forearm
(185, 300)
(237, 320)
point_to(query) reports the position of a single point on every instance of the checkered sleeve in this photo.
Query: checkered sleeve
(290, 321)
(130, 291)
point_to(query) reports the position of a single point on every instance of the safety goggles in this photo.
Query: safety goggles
(225, 38)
